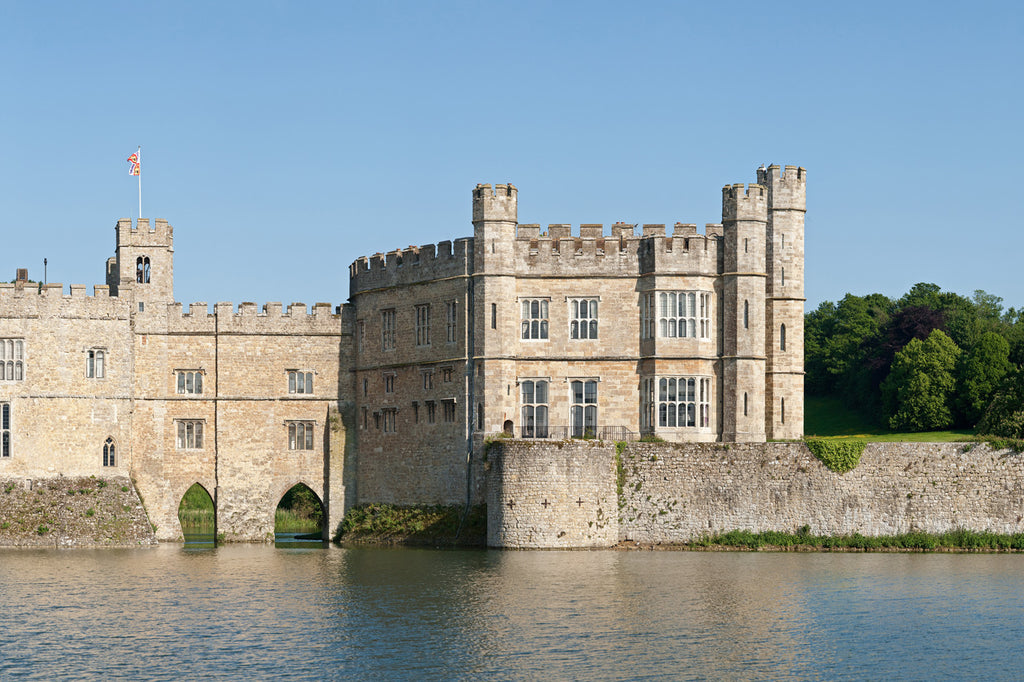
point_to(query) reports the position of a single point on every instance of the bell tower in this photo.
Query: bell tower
(143, 264)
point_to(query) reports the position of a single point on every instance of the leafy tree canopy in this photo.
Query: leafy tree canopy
(918, 393)
(980, 371)
(1004, 416)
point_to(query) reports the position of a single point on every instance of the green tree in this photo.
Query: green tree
(980, 371)
(1005, 414)
(918, 393)
(923, 294)
(835, 336)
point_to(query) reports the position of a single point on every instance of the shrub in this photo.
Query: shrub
(838, 455)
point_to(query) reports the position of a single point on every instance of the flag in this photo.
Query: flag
(135, 165)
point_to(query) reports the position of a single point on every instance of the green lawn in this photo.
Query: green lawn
(826, 417)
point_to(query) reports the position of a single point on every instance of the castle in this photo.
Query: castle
(390, 397)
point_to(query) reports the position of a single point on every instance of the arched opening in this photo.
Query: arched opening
(109, 454)
(197, 517)
(299, 518)
(507, 427)
(142, 269)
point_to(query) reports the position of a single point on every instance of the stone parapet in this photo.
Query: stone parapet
(412, 265)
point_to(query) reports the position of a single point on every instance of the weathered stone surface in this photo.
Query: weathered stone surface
(72, 512)
(558, 495)
(411, 375)
(678, 492)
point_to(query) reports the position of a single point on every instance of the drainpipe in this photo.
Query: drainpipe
(216, 410)
(470, 353)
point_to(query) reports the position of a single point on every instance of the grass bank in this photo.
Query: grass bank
(960, 540)
(827, 417)
(438, 525)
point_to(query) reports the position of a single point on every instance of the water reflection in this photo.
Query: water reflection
(199, 539)
(260, 612)
(300, 541)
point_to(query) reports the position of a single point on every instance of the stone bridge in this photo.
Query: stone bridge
(245, 480)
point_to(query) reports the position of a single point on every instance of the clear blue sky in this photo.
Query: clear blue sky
(284, 140)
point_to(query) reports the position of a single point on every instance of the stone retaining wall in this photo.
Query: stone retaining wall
(672, 493)
(66, 511)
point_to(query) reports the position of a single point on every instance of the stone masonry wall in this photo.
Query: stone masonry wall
(676, 492)
(551, 494)
(245, 463)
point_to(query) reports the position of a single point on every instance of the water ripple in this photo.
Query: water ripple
(261, 613)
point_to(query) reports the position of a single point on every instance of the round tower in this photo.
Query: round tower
(784, 316)
(742, 387)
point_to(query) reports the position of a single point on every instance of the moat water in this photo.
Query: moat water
(261, 612)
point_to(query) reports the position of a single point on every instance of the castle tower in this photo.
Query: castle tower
(496, 317)
(143, 264)
(744, 220)
(784, 314)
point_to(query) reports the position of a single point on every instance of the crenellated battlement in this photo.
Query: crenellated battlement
(744, 202)
(248, 318)
(143, 234)
(411, 265)
(590, 252)
(497, 203)
(787, 188)
(30, 299)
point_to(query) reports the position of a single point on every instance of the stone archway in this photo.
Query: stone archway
(197, 516)
(300, 515)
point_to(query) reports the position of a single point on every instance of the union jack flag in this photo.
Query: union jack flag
(135, 165)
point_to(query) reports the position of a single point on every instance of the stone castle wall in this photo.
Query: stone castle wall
(405, 421)
(412, 419)
(557, 494)
(59, 417)
(674, 492)
(246, 464)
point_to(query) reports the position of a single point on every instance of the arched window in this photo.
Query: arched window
(783, 410)
(746, 314)
(109, 459)
(142, 269)
(782, 337)
(94, 361)
(744, 404)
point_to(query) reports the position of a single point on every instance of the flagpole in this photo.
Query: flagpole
(140, 182)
